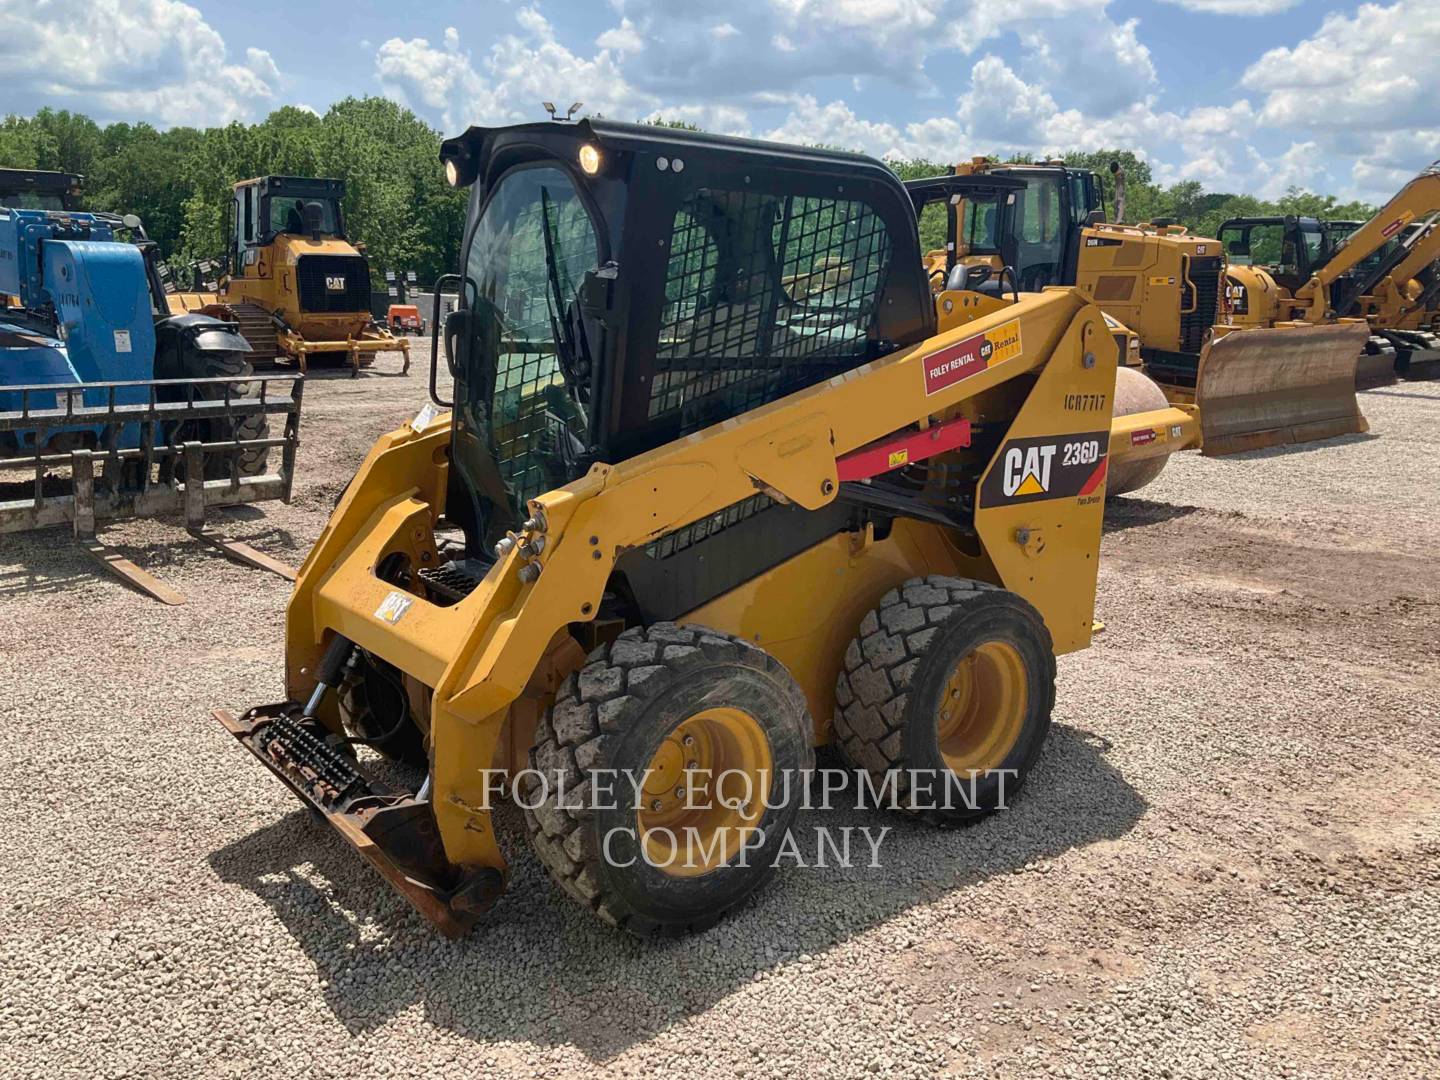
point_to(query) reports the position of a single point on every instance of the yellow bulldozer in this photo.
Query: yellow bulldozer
(722, 480)
(297, 287)
(1040, 225)
(1383, 270)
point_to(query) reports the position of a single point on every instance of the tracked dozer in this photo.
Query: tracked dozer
(295, 285)
(1386, 270)
(721, 481)
(1164, 288)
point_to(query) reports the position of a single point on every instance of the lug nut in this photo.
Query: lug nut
(531, 549)
(689, 740)
(529, 572)
(692, 765)
(655, 805)
(535, 524)
(679, 793)
(504, 546)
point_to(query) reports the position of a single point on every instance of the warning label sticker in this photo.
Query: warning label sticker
(973, 355)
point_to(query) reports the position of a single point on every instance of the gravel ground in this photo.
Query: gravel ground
(1227, 862)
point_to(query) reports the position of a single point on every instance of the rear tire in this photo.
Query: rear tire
(955, 680)
(660, 693)
(252, 425)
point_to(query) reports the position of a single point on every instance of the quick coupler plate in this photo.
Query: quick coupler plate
(393, 830)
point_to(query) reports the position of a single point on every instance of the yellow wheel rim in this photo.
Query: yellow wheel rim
(982, 708)
(704, 792)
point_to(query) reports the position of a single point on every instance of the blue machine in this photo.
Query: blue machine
(86, 313)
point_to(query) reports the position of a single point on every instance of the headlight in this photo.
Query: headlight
(589, 159)
(452, 173)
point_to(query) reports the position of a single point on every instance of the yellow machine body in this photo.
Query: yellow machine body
(481, 671)
(282, 316)
(968, 448)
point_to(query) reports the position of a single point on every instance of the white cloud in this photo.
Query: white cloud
(623, 38)
(1236, 7)
(156, 60)
(511, 80)
(1372, 71)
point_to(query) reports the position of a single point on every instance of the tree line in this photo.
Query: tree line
(397, 202)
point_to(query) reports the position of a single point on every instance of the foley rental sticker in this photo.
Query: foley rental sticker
(971, 356)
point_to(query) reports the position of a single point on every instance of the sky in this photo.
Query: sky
(1249, 96)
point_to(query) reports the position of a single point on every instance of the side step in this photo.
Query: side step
(394, 831)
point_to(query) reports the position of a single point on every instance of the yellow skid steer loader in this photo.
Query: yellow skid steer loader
(721, 481)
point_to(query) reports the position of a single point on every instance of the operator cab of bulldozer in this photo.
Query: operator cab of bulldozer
(270, 206)
(777, 272)
(1055, 204)
(1291, 248)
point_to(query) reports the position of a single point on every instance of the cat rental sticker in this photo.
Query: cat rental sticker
(971, 356)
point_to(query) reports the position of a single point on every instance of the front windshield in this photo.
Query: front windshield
(32, 200)
(287, 215)
(518, 421)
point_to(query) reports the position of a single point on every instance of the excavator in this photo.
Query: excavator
(722, 479)
(1383, 270)
(297, 287)
(1162, 289)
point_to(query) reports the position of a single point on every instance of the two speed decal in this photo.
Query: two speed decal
(1028, 470)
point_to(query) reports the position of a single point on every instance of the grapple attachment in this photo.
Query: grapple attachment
(1273, 387)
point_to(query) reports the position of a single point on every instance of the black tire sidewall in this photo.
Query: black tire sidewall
(991, 616)
(650, 892)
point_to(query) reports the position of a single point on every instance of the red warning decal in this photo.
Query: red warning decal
(1140, 438)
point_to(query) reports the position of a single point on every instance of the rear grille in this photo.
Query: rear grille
(1205, 277)
(333, 284)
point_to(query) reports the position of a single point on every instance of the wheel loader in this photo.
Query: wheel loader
(721, 481)
(298, 288)
(1160, 288)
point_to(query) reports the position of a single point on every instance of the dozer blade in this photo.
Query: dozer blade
(1272, 387)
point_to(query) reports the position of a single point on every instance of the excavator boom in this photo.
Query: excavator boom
(1418, 200)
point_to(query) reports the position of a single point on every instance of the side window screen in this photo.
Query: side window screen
(764, 295)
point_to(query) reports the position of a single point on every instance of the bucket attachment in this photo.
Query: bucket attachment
(1416, 352)
(1281, 385)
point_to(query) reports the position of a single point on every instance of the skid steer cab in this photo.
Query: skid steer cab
(721, 481)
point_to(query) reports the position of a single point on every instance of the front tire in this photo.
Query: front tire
(713, 715)
(950, 684)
